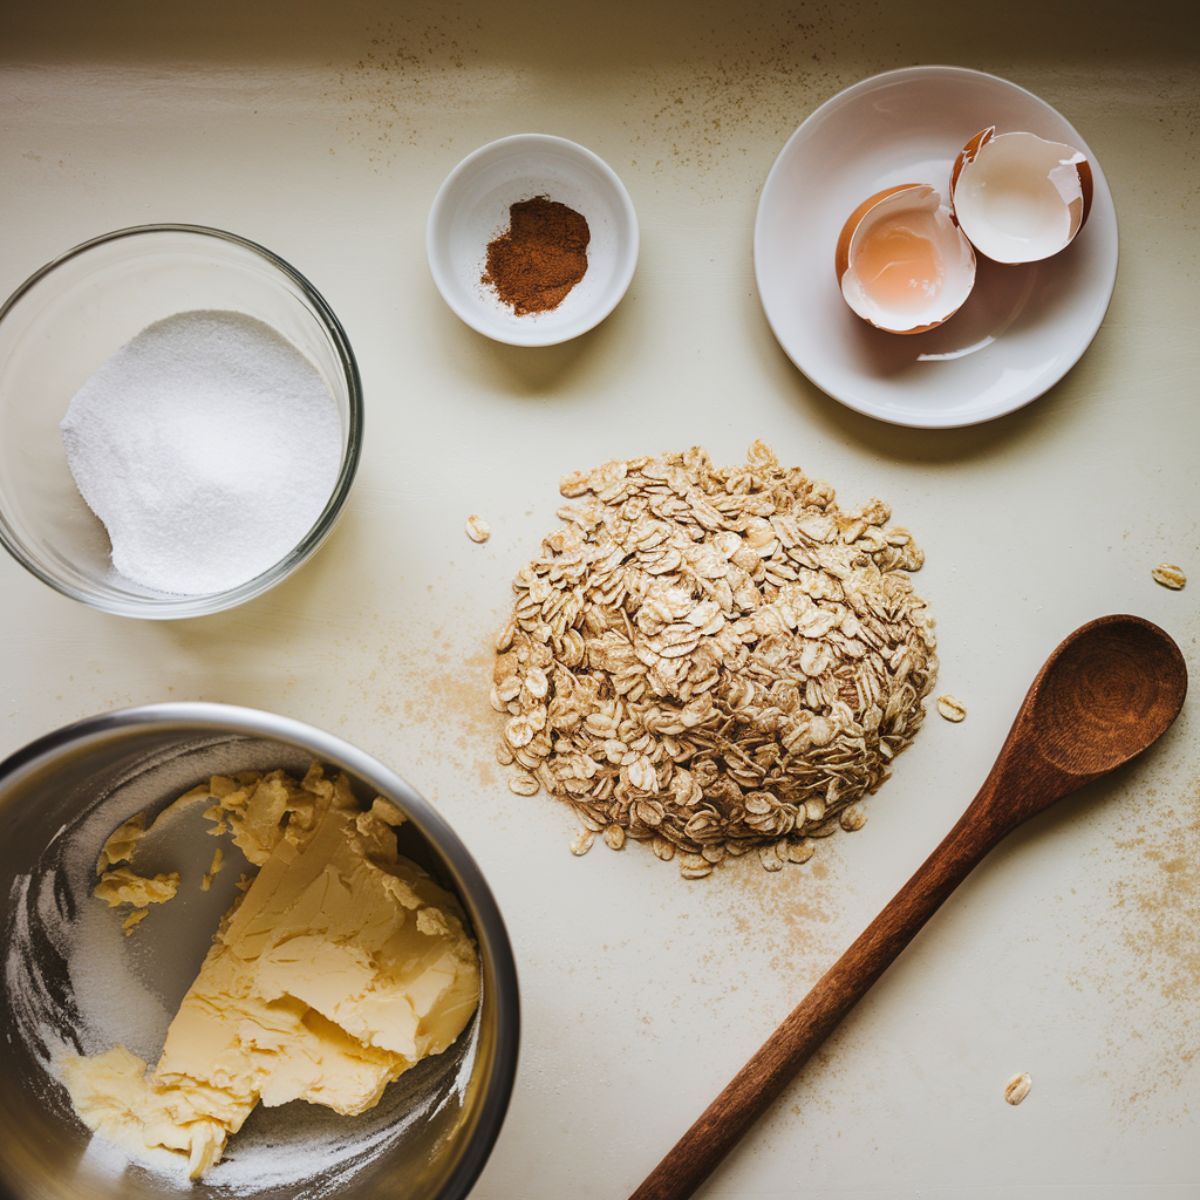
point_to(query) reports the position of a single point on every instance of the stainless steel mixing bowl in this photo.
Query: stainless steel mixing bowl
(434, 1129)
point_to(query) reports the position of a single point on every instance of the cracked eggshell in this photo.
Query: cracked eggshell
(1018, 197)
(918, 209)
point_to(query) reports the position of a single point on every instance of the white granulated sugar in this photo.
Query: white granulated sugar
(115, 1006)
(208, 446)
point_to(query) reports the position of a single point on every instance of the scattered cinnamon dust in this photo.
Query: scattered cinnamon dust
(1146, 963)
(540, 257)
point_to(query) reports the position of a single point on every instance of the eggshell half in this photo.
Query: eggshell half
(1018, 197)
(919, 207)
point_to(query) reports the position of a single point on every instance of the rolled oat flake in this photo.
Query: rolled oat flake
(1170, 576)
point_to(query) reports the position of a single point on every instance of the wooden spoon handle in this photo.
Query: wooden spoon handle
(759, 1082)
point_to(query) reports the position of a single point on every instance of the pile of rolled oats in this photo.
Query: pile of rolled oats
(712, 660)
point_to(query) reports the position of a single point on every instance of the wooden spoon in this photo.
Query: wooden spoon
(1107, 692)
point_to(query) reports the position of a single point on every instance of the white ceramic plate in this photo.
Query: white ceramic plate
(1022, 329)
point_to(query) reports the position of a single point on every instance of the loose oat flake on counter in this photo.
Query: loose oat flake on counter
(1017, 1088)
(1170, 576)
(478, 530)
(712, 660)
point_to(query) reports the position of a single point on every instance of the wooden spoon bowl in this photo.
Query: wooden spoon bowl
(1107, 692)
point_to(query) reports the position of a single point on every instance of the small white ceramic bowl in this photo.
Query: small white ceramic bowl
(471, 208)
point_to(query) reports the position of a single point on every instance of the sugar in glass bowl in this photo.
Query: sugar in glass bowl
(67, 319)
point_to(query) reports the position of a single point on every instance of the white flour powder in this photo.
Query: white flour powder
(208, 445)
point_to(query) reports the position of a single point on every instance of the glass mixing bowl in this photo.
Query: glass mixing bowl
(62, 323)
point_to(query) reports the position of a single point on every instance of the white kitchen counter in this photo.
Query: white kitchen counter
(323, 132)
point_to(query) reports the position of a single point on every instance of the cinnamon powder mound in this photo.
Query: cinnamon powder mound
(542, 255)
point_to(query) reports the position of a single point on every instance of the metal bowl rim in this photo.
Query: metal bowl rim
(202, 716)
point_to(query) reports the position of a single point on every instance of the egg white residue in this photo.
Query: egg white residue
(907, 267)
(1020, 198)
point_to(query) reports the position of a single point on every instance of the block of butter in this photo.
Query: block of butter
(340, 967)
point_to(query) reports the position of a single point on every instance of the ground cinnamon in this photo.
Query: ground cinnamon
(540, 257)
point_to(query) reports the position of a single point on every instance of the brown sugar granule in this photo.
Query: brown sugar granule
(540, 257)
